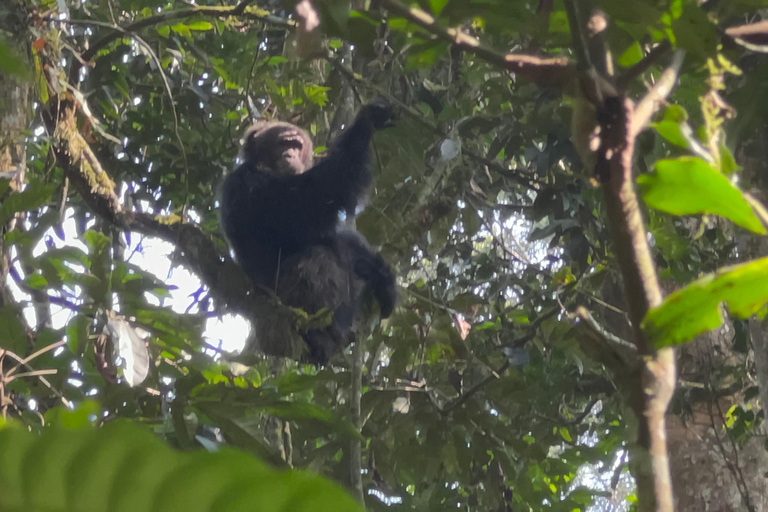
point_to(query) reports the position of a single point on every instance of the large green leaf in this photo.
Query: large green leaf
(35, 195)
(696, 308)
(122, 467)
(689, 186)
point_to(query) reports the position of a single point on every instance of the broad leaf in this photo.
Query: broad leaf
(696, 308)
(35, 195)
(689, 186)
(672, 132)
(131, 348)
(124, 468)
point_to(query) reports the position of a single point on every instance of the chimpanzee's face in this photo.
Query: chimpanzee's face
(276, 147)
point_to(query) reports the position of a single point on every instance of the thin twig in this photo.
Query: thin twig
(356, 443)
(587, 411)
(32, 373)
(654, 98)
(583, 315)
(33, 355)
(42, 379)
(734, 467)
(474, 389)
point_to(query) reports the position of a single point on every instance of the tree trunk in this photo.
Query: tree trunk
(15, 115)
(711, 472)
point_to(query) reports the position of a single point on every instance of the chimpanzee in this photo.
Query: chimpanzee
(281, 215)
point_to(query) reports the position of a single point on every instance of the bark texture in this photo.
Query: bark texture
(709, 471)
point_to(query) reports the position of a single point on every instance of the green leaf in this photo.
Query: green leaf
(696, 308)
(689, 186)
(36, 281)
(122, 467)
(41, 79)
(672, 132)
(728, 163)
(74, 419)
(298, 411)
(34, 196)
(317, 94)
(77, 333)
(292, 383)
(676, 113)
(631, 55)
(437, 6)
(14, 447)
(96, 240)
(200, 25)
(276, 60)
(558, 23)
(182, 30)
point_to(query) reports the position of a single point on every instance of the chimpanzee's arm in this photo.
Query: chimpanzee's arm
(307, 205)
(369, 266)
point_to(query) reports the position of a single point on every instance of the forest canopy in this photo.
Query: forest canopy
(571, 197)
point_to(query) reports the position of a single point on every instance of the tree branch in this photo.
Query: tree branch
(542, 71)
(641, 67)
(753, 36)
(164, 17)
(658, 93)
(43, 380)
(652, 387)
(474, 389)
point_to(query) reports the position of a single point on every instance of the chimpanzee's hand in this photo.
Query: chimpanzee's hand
(379, 113)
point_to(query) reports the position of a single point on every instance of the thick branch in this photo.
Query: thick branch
(542, 71)
(614, 160)
(757, 332)
(652, 388)
(216, 270)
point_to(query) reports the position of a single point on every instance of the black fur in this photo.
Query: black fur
(282, 219)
